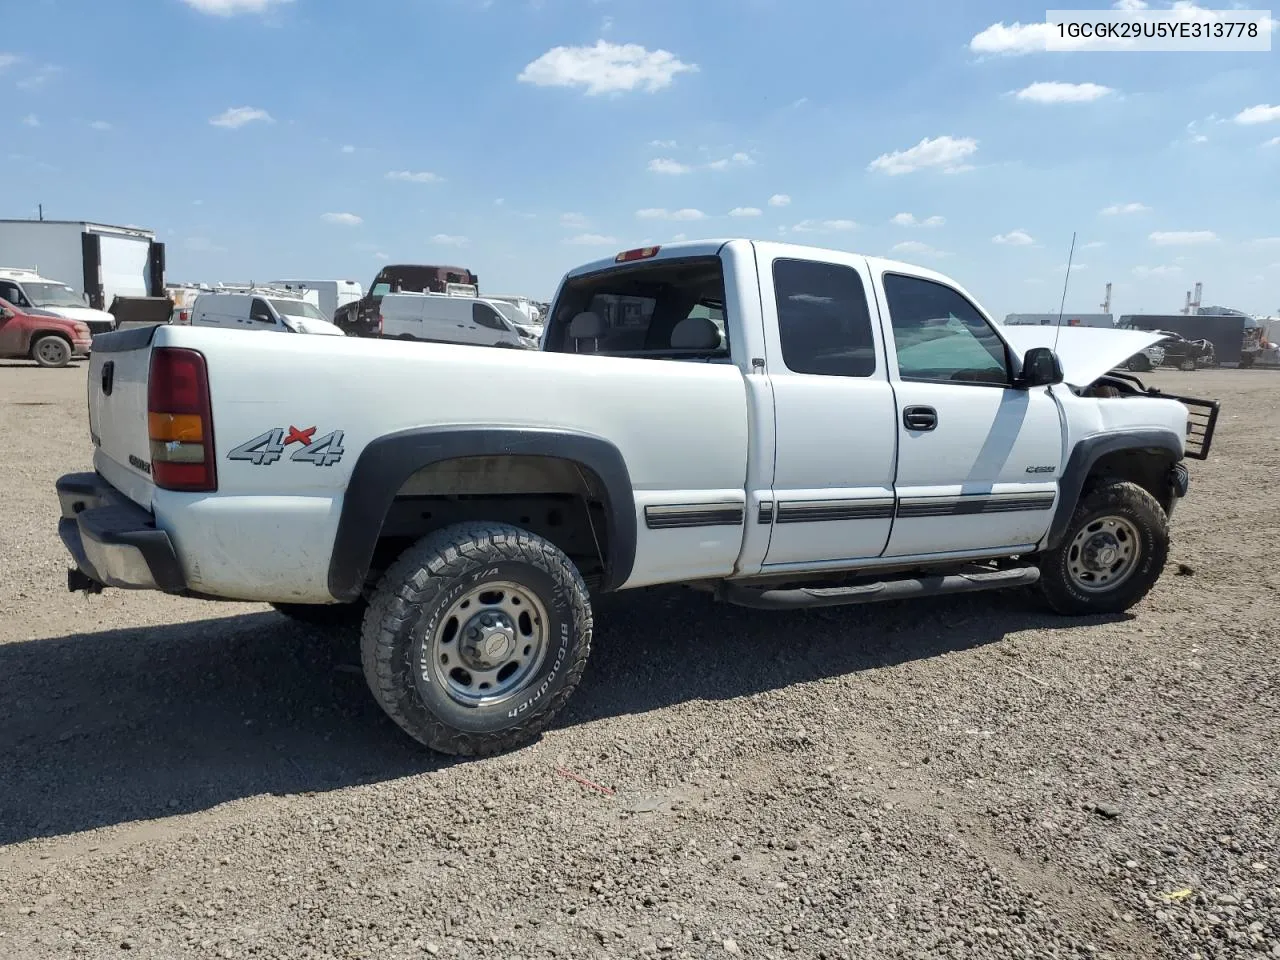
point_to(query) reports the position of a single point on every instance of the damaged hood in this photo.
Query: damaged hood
(1086, 353)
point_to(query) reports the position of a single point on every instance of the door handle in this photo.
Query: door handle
(919, 418)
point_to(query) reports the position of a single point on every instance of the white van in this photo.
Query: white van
(260, 310)
(331, 294)
(441, 318)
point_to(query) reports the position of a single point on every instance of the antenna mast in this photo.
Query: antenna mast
(1057, 330)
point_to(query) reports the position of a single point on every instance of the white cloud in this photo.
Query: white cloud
(1273, 142)
(1055, 92)
(8, 60)
(745, 212)
(1199, 138)
(678, 238)
(1014, 238)
(1121, 208)
(379, 255)
(1179, 238)
(408, 176)
(592, 240)
(348, 148)
(779, 200)
(343, 219)
(663, 144)
(1130, 4)
(823, 226)
(664, 165)
(234, 117)
(31, 120)
(1014, 40)
(658, 213)
(916, 248)
(230, 8)
(606, 68)
(449, 240)
(99, 125)
(1094, 245)
(909, 220)
(36, 79)
(942, 153)
(499, 202)
(737, 160)
(1164, 270)
(573, 221)
(1261, 113)
(1265, 242)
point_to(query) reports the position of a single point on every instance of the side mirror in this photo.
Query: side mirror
(1040, 368)
(259, 317)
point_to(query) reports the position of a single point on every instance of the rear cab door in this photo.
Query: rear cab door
(833, 470)
(978, 457)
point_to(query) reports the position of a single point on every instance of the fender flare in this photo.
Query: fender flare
(1087, 453)
(387, 462)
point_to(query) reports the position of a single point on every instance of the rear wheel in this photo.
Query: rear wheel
(475, 638)
(1139, 363)
(1112, 555)
(51, 351)
(1188, 364)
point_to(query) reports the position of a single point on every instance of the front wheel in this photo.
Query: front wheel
(476, 637)
(1139, 363)
(1112, 555)
(51, 351)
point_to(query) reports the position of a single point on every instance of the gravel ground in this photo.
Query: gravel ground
(966, 777)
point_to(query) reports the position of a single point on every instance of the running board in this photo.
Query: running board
(807, 597)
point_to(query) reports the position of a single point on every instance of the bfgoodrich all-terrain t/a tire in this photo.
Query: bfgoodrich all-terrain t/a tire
(1112, 555)
(475, 638)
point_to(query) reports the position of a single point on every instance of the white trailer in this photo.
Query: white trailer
(332, 293)
(99, 261)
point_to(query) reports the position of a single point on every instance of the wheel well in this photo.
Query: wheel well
(1148, 468)
(561, 500)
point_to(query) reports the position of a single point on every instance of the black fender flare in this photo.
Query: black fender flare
(1087, 453)
(387, 462)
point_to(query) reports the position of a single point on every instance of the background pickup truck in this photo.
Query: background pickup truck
(781, 426)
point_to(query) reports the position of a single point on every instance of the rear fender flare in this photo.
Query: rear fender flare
(1082, 460)
(387, 462)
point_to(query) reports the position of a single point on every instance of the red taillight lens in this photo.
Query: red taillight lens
(641, 253)
(180, 421)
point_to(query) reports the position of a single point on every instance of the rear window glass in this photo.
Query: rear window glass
(667, 310)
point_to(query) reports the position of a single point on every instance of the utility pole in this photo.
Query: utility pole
(40, 207)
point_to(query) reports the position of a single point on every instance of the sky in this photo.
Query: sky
(316, 139)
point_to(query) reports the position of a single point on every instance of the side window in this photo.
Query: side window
(260, 312)
(11, 292)
(823, 320)
(380, 290)
(939, 335)
(486, 316)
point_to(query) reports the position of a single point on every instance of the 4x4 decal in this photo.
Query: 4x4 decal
(267, 448)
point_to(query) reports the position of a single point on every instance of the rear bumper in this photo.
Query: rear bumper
(113, 541)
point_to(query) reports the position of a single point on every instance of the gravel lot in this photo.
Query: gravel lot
(967, 777)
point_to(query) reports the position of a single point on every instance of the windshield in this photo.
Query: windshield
(510, 312)
(296, 308)
(52, 295)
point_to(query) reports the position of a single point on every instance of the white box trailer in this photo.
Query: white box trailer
(99, 261)
(332, 294)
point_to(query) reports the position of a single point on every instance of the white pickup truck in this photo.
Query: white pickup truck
(785, 427)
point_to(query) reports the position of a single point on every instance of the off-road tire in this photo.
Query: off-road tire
(1138, 363)
(1116, 499)
(337, 616)
(1188, 365)
(419, 588)
(51, 351)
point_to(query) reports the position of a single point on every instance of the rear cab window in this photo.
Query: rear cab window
(661, 310)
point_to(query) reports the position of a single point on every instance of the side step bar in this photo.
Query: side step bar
(807, 597)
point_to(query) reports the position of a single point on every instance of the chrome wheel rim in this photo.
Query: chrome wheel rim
(50, 351)
(1103, 554)
(490, 642)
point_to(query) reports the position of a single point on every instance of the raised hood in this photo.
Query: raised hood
(1086, 353)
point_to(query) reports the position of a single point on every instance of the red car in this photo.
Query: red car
(33, 334)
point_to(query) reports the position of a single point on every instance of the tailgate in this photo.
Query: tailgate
(118, 411)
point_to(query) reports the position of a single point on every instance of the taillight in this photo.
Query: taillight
(180, 421)
(184, 316)
(641, 253)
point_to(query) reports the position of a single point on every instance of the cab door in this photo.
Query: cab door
(978, 457)
(833, 410)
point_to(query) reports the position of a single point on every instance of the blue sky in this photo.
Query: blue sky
(317, 138)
